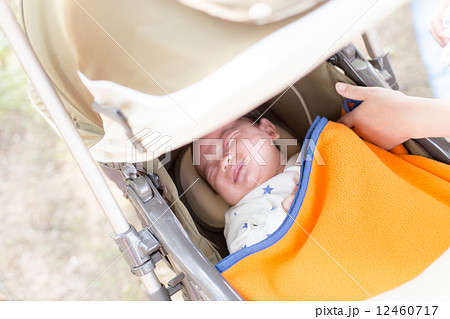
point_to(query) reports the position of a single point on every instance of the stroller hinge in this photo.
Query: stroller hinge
(377, 72)
(128, 170)
(141, 187)
(174, 285)
(140, 249)
(383, 65)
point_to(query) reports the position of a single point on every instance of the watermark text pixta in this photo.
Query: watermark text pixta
(217, 151)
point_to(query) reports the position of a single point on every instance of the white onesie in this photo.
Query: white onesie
(259, 213)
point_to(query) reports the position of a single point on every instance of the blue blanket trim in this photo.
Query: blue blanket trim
(347, 109)
(312, 135)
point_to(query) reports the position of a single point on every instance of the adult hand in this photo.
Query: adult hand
(385, 117)
(436, 28)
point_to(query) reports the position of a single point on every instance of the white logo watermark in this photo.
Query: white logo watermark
(308, 153)
(146, 145)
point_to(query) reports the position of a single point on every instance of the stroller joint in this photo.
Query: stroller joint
(141, 187)
(174, 285)
(140, 250)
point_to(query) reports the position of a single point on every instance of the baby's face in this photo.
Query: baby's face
(248, 160)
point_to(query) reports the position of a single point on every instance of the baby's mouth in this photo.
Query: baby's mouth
(237, 171)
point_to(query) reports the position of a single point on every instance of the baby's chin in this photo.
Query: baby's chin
(238, 195)
(249, 187)
(252, 180)
(257, 178)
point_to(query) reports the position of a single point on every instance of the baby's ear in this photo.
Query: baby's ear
(269, 128)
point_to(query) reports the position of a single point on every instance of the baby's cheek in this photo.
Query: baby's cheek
(227, 192)
(235, 194)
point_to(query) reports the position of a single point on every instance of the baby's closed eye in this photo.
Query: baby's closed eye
(210, 174)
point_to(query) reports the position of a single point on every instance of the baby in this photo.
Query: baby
(252, 175)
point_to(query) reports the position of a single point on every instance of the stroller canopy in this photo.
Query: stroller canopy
(176, 73)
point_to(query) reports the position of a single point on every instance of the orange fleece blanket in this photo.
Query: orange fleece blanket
(363, 221)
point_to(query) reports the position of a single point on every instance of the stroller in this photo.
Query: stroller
(230, 52)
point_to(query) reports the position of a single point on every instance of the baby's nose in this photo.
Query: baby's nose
(226, 161)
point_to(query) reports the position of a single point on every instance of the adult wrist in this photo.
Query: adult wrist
(431, 118)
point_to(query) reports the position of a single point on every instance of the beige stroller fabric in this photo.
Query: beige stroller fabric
(151, 46)
(189, 72)
(252, 11)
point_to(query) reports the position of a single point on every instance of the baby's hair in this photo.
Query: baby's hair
(253, 116)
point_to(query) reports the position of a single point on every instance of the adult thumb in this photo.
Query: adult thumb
(347, 120)
(351, 91)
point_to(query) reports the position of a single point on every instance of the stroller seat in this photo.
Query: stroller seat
(291, 112)
(205, 205)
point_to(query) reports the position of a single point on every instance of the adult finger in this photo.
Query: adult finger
(437, 30)
(347, 120)
(439, 37)
(351, 91)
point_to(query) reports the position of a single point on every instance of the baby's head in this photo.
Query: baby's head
(248, 158)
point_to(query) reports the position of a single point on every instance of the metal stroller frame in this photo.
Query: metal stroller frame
(143, 249)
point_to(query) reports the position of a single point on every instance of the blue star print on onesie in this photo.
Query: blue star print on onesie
(260, 213)
(267, 189)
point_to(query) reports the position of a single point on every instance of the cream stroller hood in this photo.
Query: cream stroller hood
(199, 103)
(252, 11)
